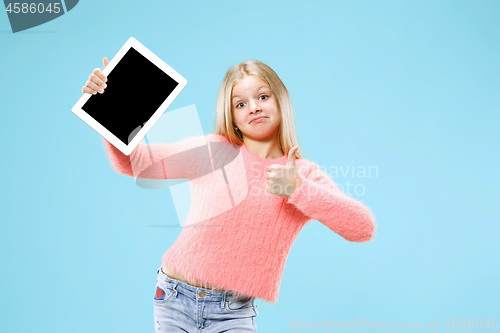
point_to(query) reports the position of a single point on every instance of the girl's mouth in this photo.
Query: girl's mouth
(257, 120)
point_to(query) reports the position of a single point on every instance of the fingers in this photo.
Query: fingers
(88, 90)
(268, 189)
(100, 75)
(97, 80)
(272, 167)
(96, 83)
(95, 88)
(92, 88)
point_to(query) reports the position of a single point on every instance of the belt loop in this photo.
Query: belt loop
(175, 290)
(223, 300)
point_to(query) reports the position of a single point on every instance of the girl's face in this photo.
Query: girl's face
(252, 98)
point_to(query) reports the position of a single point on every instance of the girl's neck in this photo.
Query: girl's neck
(264, 149)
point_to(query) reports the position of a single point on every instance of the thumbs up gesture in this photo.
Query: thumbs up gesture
(282, 180)
(97, 80)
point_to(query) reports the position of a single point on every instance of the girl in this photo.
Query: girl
(252, 204)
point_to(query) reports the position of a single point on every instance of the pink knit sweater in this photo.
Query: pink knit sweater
(239, 235)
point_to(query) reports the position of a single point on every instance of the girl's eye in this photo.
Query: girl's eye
(238, 105)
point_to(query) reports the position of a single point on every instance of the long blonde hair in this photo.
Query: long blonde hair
(224, 124)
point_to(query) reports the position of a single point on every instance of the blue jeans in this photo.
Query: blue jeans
(181, 307)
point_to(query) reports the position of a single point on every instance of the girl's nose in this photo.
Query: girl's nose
(254, 106)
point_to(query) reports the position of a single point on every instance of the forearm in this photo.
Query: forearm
(344, 215)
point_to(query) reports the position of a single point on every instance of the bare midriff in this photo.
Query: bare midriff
(195, 283)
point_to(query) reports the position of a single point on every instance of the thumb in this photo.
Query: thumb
(291, 156)
(105, 61)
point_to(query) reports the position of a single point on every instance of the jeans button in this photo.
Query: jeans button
(201, 293)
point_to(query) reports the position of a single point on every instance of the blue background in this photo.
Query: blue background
(411, 87)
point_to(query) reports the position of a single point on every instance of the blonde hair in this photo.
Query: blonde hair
(224, 124)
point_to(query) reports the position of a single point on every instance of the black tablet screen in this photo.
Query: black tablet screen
(136, 89)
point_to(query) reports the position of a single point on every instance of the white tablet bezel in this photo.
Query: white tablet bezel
(127, 149)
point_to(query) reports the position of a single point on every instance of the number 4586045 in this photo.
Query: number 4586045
(32, 8)
(471, 324)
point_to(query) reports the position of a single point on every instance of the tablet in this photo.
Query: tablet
(140, 88)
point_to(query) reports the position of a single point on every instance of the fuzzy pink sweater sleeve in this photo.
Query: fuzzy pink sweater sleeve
(185, 159)
(319, 198)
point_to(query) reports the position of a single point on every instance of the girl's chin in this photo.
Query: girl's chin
(260, 135)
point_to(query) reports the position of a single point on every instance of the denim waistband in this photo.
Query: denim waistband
(194, 292)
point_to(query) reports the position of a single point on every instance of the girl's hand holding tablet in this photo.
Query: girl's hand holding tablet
(97, 80)
(114, 115)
